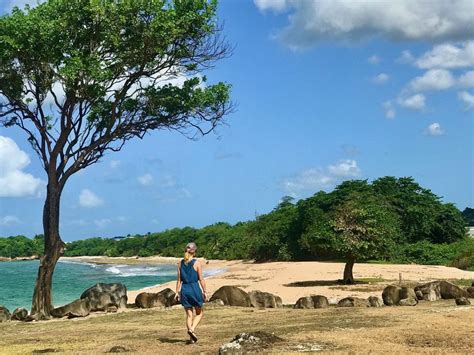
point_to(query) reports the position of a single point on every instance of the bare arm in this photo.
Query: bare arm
(201, 280)
(178, 282)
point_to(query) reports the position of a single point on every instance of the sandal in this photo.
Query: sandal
(192, 335)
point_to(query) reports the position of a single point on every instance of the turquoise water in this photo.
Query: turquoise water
(17, 279)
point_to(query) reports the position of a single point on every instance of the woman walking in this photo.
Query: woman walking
(188, 290)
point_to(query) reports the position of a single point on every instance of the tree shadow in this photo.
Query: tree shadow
(172, 341)
(313, 283)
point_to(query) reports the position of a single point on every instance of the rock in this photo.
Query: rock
(4, 314)
(112, 309)
(20, 314)
(77, 308)
(164, 298)
(216, 303)
(232, 296)
(462, 301)
(391, 295)
(353, 302)
(320, 301)
(419, 295)
(250, 343)
(408, 302)
(470, 291)
(102, 296)
(375, 301)
(260, 299)
(306, 302)
(436, 290)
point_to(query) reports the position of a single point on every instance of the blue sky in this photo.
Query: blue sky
(325, 91)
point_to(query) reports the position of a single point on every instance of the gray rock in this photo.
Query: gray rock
(408, 295)
(20, 314)
(408, 302)
(102, 296)
(306, 302)
(462, 301)
(250, 343)
(77, 308)
(419, 295)
(320, 301)
(232, 296)
(4, 314)
(215, 303)
(436, 290)
(353, 302)
(430, 291)
(375, 301)
(164, 298)
(470, 291)
(260, 299)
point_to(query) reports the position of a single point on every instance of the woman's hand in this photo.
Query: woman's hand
(176, 297)
(204, 296)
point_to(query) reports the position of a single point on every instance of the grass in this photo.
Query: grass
(434, 326)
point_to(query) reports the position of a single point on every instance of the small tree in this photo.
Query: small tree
(364, 228)
(82, 77)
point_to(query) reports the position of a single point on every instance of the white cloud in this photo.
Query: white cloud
(102, 223)
(114, 164)
(448, 55)
(467, 98)
(145, 180)
(311, 22)
(374, 59)
(14, 182)
(168, 181)
(9, 220)
(415, 102)
(381, 78)
(467, 79)
(433, 79)
(406, 57)
(389, 109)
(315, 179)
(435, 130)
(88, 199)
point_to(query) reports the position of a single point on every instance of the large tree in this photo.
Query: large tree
(82, 77)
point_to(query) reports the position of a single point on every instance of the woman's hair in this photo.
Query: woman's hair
(187, 255)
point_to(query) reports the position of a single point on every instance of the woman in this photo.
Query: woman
(188, 291)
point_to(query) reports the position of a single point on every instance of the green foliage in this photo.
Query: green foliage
(13, 247)
(468, 215)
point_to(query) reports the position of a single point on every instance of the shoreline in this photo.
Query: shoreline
(292, 280)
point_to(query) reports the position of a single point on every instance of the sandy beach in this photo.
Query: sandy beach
(292, 280)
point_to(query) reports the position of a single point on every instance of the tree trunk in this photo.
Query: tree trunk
(53, 249)
(348, 276)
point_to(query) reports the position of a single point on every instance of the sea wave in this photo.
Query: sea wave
(133, 270)
(77, 263)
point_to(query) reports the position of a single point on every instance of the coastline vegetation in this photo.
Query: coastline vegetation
(391, 220)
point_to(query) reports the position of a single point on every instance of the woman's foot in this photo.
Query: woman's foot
(193, 336)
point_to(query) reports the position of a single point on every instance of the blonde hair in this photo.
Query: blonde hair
(187, 255)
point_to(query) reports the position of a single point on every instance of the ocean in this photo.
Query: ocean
(17, 279)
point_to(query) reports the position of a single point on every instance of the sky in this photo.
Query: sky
(325, 91)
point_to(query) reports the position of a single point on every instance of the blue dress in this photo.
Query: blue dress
(191, 294)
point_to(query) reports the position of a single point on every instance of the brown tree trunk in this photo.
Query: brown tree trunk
(53, 248)
(348, 276)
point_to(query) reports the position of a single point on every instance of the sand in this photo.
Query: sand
(311, 277)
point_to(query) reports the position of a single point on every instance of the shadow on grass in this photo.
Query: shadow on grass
(311, 283)
(172, 340)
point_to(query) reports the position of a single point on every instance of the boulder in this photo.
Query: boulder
(462, 301)
(470, 291)
(436, 290)
(255, 342)
(4, 314)
(320, 301)
(419, 295)
(232, 296)
(260, 299)
(408, 302)
(353, 302)
(164, 298)
(20, 314)
(216, 303)
(77, 308)
(391, 295)
(304, 303)
(408, 296)
(102, 296)
(375, 301)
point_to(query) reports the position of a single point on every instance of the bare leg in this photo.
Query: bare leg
(189, 318)
(197, 318)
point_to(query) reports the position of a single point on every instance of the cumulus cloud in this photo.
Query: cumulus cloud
(467, 98)
(466, 80)
(381, 78)
(415, 102)
(406, 57)
(389, 109)
(145, 180)
(435, 130)
(88, 199)
(311, 22)
(14, 182)
(9, 220)
(433, 79)
(374, 59)
(315, 179)
(448, 55)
